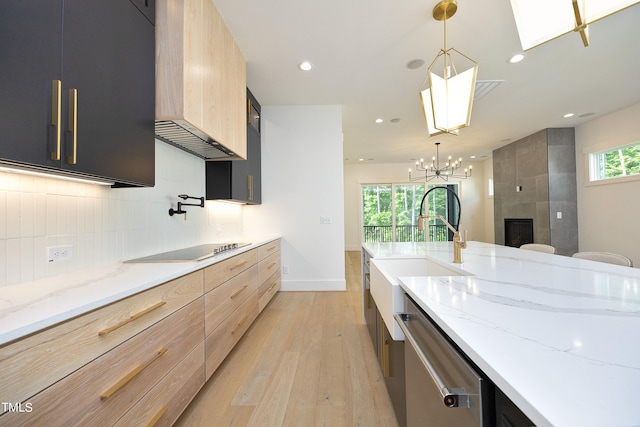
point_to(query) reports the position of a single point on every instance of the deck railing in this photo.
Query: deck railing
(404, 233)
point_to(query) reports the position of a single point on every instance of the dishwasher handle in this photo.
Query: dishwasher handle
(450, 399)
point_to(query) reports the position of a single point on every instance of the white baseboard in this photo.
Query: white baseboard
(313, 285)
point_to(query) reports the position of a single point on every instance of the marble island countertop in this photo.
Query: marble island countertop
(558, 335)
(32, 306)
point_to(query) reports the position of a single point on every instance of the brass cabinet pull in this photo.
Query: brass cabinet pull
(248, 111)
(386, 362)
(153, 421)
(131, 375)
(56, 99)
(239, 324)
(132, 318)
(250, 186)
(272, 286)
(73, 125)
(236, 293)
(271, 266)
(271, 248)
(238, 265)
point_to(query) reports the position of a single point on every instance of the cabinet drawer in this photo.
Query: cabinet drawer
(31, 364)
(165, 402)
(101, 391)
(226, 298)
(268, 249)
(268, 266)
(224, 337)
(267, 290)
(220, 272)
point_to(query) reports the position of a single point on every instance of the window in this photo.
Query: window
(615, 162)
(390, 212)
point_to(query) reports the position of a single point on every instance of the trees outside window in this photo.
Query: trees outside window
(384, 221)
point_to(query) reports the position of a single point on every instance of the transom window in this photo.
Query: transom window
(618, 162)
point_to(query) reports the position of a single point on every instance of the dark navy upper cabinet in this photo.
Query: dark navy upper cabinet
(78, 87)
(239, 180)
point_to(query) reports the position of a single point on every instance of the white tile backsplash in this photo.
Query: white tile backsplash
(105, 225)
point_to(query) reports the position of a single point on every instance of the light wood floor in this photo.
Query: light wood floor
(306, 361)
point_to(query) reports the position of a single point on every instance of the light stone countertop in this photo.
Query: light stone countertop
(559, 336)
(29, 307)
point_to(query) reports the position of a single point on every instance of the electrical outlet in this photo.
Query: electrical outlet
(59, 253)
(285, 269)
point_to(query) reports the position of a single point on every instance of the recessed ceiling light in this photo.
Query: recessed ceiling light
(516, 58)
(566, 116)
(379, 120)
(305, 66)
(472, 157)
(361, 160)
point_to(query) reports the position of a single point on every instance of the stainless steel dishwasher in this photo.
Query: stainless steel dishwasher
(442, 388)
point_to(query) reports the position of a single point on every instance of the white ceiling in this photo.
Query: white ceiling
(360, 49)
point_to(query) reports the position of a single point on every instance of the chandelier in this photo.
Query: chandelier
(447, 101)
(429, 172)
(539, 21)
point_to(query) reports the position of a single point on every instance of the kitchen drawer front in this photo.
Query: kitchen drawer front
(220, 272)
(267, 290)
(31, 364)
(165, 402)
(268, 249)
(268, 266)
(226, 298)
(224, 338)
(101, 391)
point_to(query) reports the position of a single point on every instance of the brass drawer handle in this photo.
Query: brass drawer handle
(238, 265)
(131, 375)
(271, 248)
(272, 286)
(153, 421)
(73, 125)
(271, 266)
(56, 95)
(132, 318)
(239, 324)
(236, 293)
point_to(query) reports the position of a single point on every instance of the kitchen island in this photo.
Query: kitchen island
(557, 335)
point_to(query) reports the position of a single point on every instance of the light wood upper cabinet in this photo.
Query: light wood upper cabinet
(201, 73)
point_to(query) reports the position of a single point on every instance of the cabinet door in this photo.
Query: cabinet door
(109, 58)
(30, 59)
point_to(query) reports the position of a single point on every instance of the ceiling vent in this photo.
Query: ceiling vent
(483, 87)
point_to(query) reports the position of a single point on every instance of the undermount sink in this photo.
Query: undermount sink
(386, 290)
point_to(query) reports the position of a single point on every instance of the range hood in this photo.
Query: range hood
(181, 134)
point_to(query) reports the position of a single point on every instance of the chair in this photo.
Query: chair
(539, 247)
(607, 257)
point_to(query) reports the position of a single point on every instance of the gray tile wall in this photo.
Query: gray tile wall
(543, 165)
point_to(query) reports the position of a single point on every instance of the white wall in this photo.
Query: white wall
(302, 181)
(608, 213)
(105, 225)
(473, 197)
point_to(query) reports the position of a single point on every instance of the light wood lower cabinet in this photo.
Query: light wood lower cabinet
(228, 297)
(228, 333)
(101, 391)
(32, 364)
(141, 360)
(165, 402)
